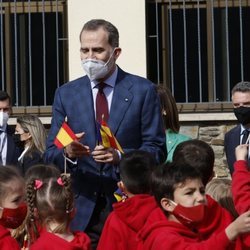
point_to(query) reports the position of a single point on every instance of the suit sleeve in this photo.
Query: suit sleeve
(52, 153)
(153, 134)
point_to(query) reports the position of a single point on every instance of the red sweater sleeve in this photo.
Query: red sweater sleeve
(6, 241)
(113, 234)
(176, 242)
(241, 186)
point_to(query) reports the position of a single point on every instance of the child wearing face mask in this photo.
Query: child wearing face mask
(12, 208)
(51, 204)
(180, 194)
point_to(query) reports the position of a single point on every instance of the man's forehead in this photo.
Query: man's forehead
(4, 103)
(94, 36)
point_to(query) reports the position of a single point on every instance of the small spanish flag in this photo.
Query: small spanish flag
(106, 137)
(65, 136)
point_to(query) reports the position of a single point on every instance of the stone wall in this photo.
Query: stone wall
(213, 133)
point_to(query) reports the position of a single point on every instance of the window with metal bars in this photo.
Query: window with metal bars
(33, 47)
(199, 49)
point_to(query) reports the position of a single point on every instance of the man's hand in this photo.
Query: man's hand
(105, 155)
(76, 149)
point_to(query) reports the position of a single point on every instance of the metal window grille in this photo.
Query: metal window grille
(199, 49)
(33, 45)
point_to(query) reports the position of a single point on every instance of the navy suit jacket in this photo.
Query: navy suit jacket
(232, 140)
(13, 151)
(135, 119)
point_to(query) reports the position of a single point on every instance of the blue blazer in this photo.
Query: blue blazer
(232, 140)
(13, 151)
(135, 119)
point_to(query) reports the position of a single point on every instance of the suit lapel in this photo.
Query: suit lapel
(236, 138)
(121, 101)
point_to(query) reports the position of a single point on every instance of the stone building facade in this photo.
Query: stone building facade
(213, 133)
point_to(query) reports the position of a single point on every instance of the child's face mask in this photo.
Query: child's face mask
(189, 216)
(13, 217)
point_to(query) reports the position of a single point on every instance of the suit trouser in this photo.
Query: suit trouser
(97, 220)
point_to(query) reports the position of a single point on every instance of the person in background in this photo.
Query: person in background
(31, 136)
(123, 223)
(127, 103)
(9, 152)
(52, 203)
(239, 134)
(180, 193)
(220, 190)
(12, 207)
(170, 118)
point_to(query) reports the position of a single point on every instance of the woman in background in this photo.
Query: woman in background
(31, 136)
(170, 118)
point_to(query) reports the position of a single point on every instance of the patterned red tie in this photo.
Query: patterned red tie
(102, 109)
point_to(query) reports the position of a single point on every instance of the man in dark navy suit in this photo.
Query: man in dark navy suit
(134, 118)
(9, 152)
(239, 134)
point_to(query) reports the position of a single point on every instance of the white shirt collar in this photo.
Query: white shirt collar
(109, 81)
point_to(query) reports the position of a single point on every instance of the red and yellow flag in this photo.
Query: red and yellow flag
(107, 138)
(65, 136)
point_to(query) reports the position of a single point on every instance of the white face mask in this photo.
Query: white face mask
(97, 69)
(4, 117)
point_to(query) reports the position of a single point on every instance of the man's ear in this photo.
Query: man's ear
(167, 205)
(117, 52)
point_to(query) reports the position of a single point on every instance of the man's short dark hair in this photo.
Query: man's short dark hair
(135, 171)
(241, 87)
(95, 24)
(4, 96)
(198, 154)
(167, 176)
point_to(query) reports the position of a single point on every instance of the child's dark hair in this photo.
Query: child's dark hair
(8, 174)
(199, 155)
(166, 177)
(135, 171)
(54, 200)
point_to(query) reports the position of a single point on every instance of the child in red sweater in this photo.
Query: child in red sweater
(241, 180)
(180, 193)
(12, 208)
(130, 214)
(51, 206)
(241, 183)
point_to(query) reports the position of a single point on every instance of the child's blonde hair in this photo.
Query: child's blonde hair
(220, 190)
